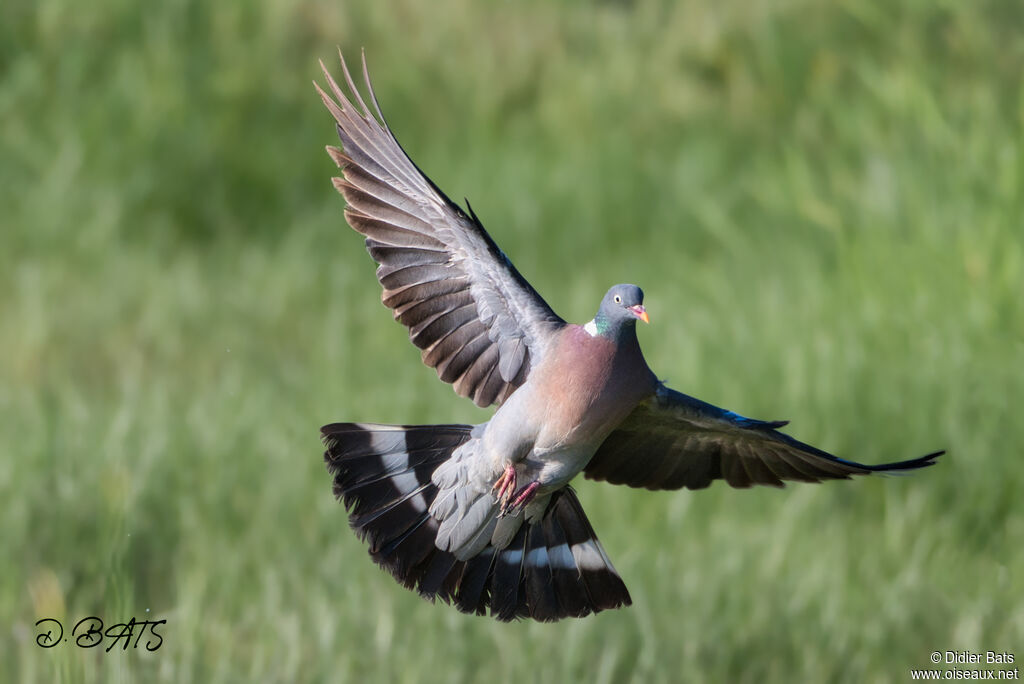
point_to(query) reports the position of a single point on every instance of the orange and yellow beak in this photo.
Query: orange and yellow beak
(640, 312)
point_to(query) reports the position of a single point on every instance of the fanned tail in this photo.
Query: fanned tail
(552, 569)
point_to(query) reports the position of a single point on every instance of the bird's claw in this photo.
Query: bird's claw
(514, 503)
(511, 499)
(506, 484)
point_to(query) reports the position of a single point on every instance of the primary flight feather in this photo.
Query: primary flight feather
(482, 516)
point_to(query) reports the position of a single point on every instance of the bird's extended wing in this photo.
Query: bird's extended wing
(673, 440)
(478, 322)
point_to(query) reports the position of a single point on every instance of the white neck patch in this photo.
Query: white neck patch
(591, 328)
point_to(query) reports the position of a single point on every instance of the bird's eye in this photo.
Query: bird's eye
(618, 299)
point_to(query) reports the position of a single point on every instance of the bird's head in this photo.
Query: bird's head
(623, 304)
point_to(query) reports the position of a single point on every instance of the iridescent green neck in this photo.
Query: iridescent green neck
(602, 324)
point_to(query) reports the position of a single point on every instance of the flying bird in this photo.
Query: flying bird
(482, 516)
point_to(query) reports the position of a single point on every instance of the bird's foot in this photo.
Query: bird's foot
(505, 485)
(518, 501)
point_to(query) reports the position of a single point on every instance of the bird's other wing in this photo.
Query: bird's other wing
(672, 441)
(478, 322)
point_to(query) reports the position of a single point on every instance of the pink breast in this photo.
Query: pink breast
(587, 386)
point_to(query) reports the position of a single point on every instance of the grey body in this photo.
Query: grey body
(548, 429)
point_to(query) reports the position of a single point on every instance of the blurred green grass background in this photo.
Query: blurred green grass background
(822, 200)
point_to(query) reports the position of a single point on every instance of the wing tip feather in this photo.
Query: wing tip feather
(338, 156)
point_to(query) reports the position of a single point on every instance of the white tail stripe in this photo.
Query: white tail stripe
(588, 556)
(561, 558)
(537, 557)
(407, 482)
(512, 556)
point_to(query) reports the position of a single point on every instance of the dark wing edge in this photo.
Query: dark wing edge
(673, 441)
(474, 317)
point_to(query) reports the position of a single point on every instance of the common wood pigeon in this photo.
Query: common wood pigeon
(482, 516)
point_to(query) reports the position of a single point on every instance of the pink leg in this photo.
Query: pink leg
(520, 499)
(525, 495)
(506, 484)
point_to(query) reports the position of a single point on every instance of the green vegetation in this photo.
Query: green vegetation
(823, 202)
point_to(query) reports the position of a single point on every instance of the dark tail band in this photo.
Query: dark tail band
(552, 569)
